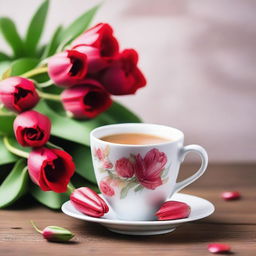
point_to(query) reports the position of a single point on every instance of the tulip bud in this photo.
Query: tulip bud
(18, 94)
(100, 37)
(172, 210)
(32, 129)
(86, 100)
(87, 201)
(123, 75)
(50, 169)
(231, 195)
(67, 68)
(54, 233)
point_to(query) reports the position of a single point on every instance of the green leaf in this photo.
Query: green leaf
(71, 129)
(78, 26)
(79, 181)
(48, 198)
(5, 156)
(15, 185)
(138, 188)
(20, 66)
(6, 123)
(36, 28)
(83, 161)
(4, 57)
(9, 32)
(121, 114)
(126, 189)
(52, 46)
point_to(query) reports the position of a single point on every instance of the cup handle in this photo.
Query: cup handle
(204, 157)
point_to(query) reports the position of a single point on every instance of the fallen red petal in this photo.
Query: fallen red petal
(230, 195)
(218, 248)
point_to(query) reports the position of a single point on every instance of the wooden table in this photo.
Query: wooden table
(233, 223)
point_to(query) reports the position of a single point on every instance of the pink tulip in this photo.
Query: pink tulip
(18, 94)
(67, 68)
(32, 129)
(50, 169)
(148, 170)
(86, 100)
(88, 202)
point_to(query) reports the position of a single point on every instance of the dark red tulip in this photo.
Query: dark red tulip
(173, 210)
(18, 94)
(32, 129)
(231, 195)
(148, 170)
(67, 68)
(100, 37)
(87, 201)
(218, 248)
(86, 100)
(123, 75)
(124, 167)
(50, 169)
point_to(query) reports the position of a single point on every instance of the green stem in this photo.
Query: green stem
(49, 96)
(70, 188)
(35, 227)
(36, 71)
(45, 84)
(14, 150)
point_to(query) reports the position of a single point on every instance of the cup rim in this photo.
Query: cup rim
(109, 126)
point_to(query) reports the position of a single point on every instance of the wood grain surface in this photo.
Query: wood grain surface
(233, 223)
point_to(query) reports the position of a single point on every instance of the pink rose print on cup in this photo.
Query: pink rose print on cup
(148, 170)
(124, 167)
(106, 188)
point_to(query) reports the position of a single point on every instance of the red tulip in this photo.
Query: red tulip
(100, 37)
(18, 94)
(86, 100)
(50, 169)
(32, 129)
(96, 62)
(219, 248)
(148, 170)
(106, 188)
(87, 201)
(124, 167)
(173, 210)
(123, 76)
(67, 68)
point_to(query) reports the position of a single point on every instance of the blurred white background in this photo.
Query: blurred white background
(199, 58)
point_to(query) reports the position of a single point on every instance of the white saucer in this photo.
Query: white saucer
(200, 208)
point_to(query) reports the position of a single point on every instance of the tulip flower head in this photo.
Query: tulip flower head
(50, 169)
(88, 202)
(100, 37)
(18, 94)
(32, 129)
(123, 75)
(86, 100)
(67, 68)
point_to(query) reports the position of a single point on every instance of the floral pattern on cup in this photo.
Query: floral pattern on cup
(132, 172)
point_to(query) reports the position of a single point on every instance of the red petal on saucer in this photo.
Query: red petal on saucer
(172, 210)
(218, 248)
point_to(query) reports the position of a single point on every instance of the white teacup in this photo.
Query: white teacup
(140, 196)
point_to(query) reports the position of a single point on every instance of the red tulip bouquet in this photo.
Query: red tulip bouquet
(51, 97)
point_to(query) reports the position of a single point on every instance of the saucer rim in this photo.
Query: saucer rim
(85, 217)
